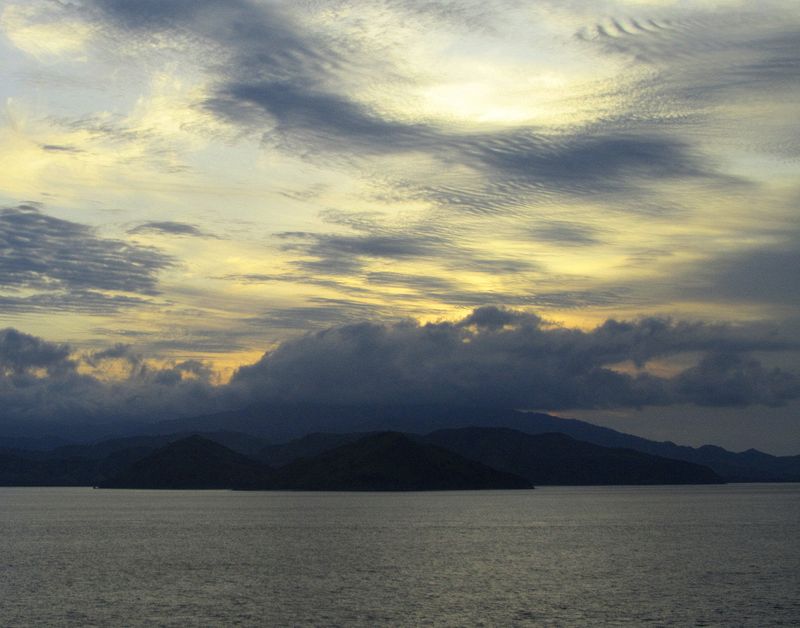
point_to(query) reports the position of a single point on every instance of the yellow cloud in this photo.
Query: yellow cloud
(43, 40)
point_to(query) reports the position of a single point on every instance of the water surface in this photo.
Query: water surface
(708, 555)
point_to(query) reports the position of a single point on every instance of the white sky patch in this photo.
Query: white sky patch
(45, 41)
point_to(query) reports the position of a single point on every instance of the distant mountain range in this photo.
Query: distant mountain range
(468, 458)
(282, 423)
(387, 461)
(278, 435)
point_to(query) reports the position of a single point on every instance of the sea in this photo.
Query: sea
(602, 556)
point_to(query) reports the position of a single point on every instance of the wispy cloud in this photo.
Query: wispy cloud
(56, 264)
(169, 227)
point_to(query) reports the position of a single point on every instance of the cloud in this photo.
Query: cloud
(169, 227)
(504, 357)
(321, 313)
(20, 353)
(760, 275)
(119, 351)
(763, 45)
(301, 89)
(763, 275)
(718, 67)
(58, 148)
(40, 382)
(155, 14)
(323, 120)
(566, 233)
(64, 265)
(728, 379)
(335, 249)
(490, 357)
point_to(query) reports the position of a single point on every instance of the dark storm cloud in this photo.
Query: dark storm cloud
(40, 382)
(119, 351)
(492, 356)
(505, 357)
(170, 227)
(729, 379)
(20, 352)
(68, 266)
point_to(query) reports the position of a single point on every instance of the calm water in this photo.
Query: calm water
(722, 555)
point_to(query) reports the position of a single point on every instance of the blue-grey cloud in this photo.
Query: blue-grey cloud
(510, 358)
(729, 379)
(279, 78)
(492, 356)
(566, 233)
(760, 275)
(119, 351)
(321, 313)
(60, 148)
(66, 265)
(157, 14)
(324, 120)
(40, 383)
(170, 227)
(764, 275)
(20, 352)
(705, 61)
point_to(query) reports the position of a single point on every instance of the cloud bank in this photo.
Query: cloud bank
(492, 357)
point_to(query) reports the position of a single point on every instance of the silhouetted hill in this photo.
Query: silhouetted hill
(68, 464)
(285, 422)
(747, 466)
(561, 460)
(306, 447)
(391, 461)
(192, 463)
(243, 443)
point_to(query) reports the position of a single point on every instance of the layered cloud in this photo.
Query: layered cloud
(52, 264)
(49, 383)
(170, 227)
(508, 358)
(492, 357)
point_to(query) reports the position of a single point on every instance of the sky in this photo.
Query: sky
(576, 206)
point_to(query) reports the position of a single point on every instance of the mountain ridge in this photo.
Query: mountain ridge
(276, 426)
